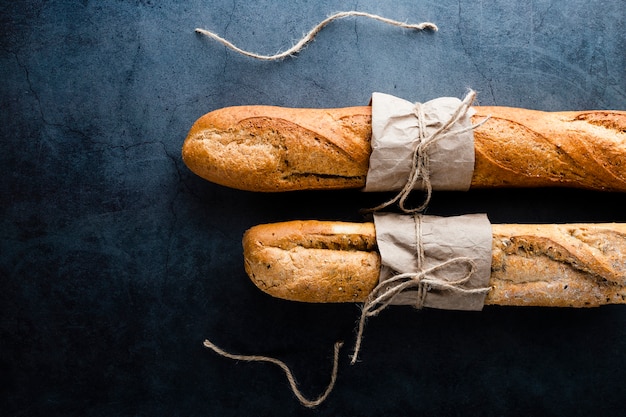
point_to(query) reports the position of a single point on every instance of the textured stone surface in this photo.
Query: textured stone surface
(116, 261)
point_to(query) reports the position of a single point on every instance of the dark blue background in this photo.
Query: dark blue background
(117, 262)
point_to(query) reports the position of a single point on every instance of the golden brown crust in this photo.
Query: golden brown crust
(575, 265)
(570, 265)
(265, 148)
(313, 261)
(527, 148)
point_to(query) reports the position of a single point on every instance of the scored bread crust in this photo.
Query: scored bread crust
(568, 265)
(268, 148)
(529, 148)
(313, 261)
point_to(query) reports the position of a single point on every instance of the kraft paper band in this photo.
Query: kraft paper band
(448, 259)
(398, 128)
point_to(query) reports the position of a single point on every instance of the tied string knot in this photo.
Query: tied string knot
(419, 283)
(420, 164)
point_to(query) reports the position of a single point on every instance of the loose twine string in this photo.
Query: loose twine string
(292, 381)
(420, 166)
(313, 32)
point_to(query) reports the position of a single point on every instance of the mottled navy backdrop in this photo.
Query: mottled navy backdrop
(116, 262)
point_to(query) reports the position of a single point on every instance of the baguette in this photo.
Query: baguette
(569, 265)
(265, 148)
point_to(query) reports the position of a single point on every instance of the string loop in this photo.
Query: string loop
(419, 282)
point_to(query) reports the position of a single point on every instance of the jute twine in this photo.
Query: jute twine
(420, 167)
(419, 282)
(313, 32)
(292, 381)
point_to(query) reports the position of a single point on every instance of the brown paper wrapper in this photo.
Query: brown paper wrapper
(394, 135)
(442, 239)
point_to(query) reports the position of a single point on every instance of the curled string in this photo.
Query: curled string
(419, 282)
(292, 381)
(420, 166)
(313, 32)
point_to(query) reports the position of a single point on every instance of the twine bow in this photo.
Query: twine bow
(419, 283)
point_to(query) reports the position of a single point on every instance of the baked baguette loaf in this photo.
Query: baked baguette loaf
(568, 265)
(265, 148)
